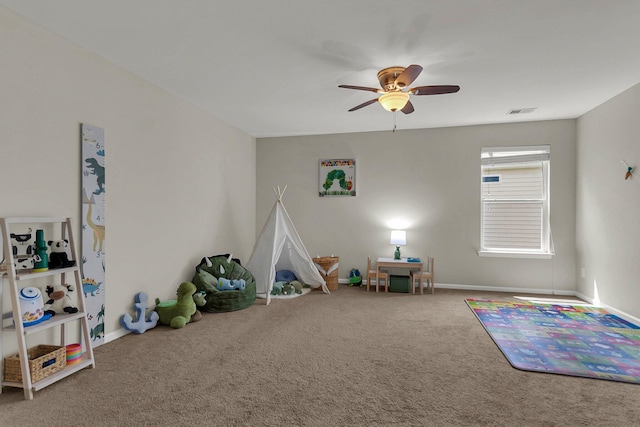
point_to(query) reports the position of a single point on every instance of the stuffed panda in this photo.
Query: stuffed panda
(58, 258)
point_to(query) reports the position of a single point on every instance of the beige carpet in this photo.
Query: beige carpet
(351, 358)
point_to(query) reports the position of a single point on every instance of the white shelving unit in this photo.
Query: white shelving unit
(12, 320)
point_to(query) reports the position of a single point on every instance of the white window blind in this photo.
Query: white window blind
(515, 202)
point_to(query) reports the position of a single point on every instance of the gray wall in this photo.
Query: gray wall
(180, 183)
(430, 181)
(608, 228)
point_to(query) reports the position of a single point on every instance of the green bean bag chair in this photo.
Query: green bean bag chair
(206, 279)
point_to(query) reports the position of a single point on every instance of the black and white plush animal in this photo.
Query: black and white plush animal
(59, 258)
(58, 300)
(27, 263)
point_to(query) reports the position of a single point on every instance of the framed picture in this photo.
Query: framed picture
(337, 177)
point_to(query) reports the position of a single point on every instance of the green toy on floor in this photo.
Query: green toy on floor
(177, 313)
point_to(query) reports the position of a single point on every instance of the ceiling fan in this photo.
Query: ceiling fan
(393, 81)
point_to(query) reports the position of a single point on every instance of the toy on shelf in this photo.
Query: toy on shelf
(41, 264)
(22, 247)
(177, 313)
(26, 263)
(74, 353)
(21, 244)
(140, 324)
(59, 258)
(32, 306)
(59, 300)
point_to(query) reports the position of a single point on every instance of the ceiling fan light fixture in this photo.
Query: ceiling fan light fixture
(394, 101)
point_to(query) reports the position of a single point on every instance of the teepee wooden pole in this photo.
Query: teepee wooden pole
(279, 193)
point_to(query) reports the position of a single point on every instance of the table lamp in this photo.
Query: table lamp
(398, 238)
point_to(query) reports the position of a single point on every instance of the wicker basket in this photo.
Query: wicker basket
(327, 263)
(44, 360)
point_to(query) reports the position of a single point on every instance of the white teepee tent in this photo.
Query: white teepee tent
(279, 247)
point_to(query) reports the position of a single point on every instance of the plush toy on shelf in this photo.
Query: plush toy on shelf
(42, 264)
(27, 263)
(59, 258)
(22, 244)
(58, 300)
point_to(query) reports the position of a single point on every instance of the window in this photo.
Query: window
(515, 202)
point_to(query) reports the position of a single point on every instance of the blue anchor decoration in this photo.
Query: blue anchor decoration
(140, 325)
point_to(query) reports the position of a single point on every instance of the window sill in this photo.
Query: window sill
(516, 254)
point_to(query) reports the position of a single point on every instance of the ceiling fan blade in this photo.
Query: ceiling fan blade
(408, 76)
(434, 90)
(408, 108)
(370, 89)
(364, 104)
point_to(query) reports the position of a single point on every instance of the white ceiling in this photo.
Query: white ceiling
(272, 67)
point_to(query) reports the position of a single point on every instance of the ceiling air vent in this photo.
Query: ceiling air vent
(521, 110)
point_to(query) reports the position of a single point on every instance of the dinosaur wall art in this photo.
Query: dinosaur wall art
(94, 229)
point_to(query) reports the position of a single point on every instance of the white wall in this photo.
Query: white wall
(430, 179)
(608, 207)
(180, 183)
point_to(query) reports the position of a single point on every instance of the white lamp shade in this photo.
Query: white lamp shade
(398, 237)
(393, 101)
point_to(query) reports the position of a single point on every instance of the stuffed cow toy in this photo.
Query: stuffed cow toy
(58, 300)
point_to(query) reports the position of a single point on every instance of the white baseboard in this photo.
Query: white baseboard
(584, 297)
(613, 310)
(118, 333)
(504, 289)
(111, 336)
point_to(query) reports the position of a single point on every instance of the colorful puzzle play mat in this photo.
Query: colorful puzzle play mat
(582, 341)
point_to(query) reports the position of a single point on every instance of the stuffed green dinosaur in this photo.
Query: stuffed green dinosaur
(288, 289)
(297, 285)
(177, 313)
(277, 288)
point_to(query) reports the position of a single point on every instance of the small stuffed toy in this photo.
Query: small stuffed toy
(58, 258)
(288, 289)
(297, 285)
(58, 300)
(200, 299)
(354, 277)
(230, 285)
(277, 288)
